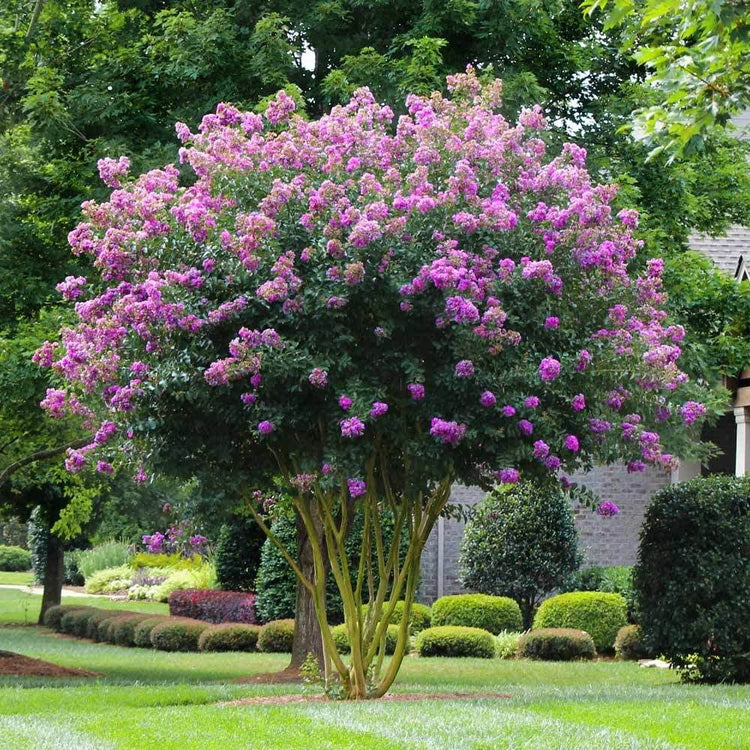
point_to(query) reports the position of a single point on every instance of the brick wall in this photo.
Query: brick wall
(603, 541)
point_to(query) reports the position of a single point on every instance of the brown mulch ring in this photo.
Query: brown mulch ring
(25, 666)
(280, 700)
(285, 677)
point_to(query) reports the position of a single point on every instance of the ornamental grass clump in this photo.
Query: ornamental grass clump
(493, 613)
(355, 310)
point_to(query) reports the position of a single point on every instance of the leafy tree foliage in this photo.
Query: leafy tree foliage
(522, 543)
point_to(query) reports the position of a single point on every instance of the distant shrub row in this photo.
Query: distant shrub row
(167, 633)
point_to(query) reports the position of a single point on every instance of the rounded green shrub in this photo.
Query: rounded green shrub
(692, 578)
(454, 640)
(341, 639)
(229, 636)
(178, 635)
(276, 636)
(556, 644)
(14, 558)
(123, 629)
(521, 542)
(420, 616)
(629, 645)
(598, 614)
(493, 613)
(103, 628)
(93, 620)
(54, 614)
(142, 631)
(75, 622)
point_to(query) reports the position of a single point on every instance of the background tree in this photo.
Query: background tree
(698, 59)
(522, 543)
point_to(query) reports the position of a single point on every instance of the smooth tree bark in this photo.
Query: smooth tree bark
(307, 636)
(54, 574)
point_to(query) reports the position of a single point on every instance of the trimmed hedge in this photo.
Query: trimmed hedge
(629, 645)
(54, 614)
(178, 635)
(493, 613)
(556, 644)
(454, 640)
(276, 637)
(598, 614)
(142, 631)
(103, 626)
(419, 618)
(341, 639)
(692, 578)
(75, 622)
(123, 629)
(213, 606)
(229, 637)
(93, 620)
(14, 558)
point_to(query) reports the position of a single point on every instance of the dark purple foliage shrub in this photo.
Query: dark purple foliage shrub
(213, 606)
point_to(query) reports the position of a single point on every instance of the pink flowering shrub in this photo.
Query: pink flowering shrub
(365, 301)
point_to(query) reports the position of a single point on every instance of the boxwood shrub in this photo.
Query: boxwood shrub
(75, 622)
(229, 637)
(103, 626)
(93, 620)
(14, 558)
(456, 640)
(142, 631)
(419, 618)
(276, 636)
(692, 578)
(175, 634)
(629, 645)
(123, 629)
(341, 639)
(556, 644)
(54, 614)
(600, 615)
(493, 613)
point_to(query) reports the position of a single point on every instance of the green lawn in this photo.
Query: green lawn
(153, 699)
(24, 578)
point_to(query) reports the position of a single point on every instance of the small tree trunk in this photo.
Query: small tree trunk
(307, 637)
(54, 574)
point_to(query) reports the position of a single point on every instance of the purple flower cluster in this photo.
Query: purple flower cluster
(549, 369)
(465, 369)
(353, 427)
(607, 509)
(378, 409)
(692, 410)
(450, 433)
(356, 487)
(318, 378)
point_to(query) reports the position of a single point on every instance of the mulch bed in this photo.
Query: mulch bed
(24, 666)
(280, 700)
(285, 677)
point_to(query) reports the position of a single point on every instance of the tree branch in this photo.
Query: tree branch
(41, 456)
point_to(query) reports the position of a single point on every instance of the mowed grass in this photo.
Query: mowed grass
(148, 698)
(22, 608)
(20, 578)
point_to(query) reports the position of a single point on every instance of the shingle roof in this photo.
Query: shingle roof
(725, 251)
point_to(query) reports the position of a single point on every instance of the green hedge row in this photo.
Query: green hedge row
(167, 633)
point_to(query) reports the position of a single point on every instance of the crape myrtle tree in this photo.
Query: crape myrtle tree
(362, 310)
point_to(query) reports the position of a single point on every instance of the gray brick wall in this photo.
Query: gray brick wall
(604, 541)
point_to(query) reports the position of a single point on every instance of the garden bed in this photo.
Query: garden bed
(24, 666)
